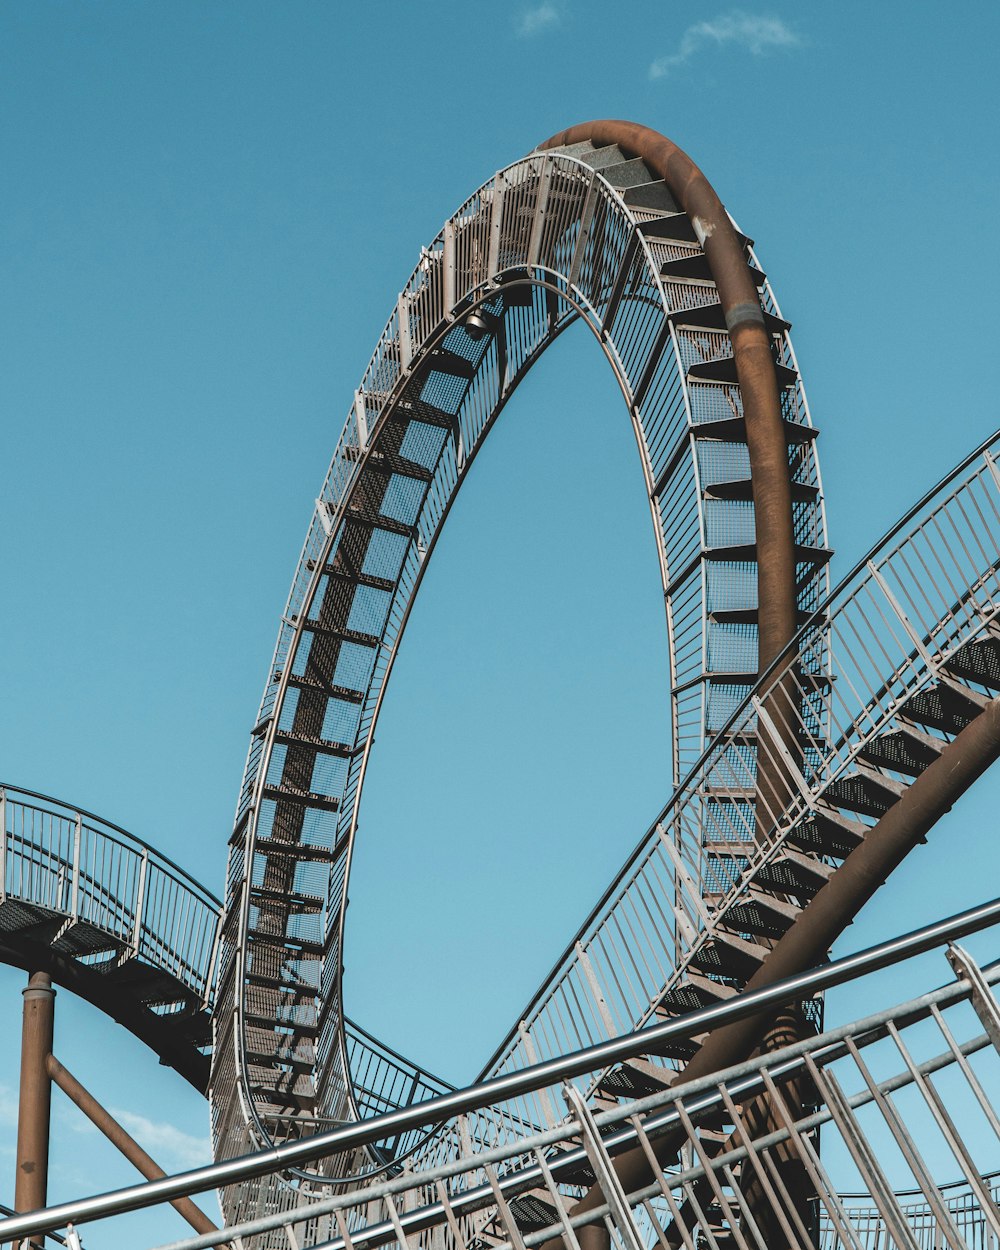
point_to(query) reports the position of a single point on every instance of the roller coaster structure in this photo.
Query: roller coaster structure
(815, 738)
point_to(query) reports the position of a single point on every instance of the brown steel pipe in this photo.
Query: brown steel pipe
(125, 1142)
(755, 370)
(765, 430)
(826, 916)
(35, 1095)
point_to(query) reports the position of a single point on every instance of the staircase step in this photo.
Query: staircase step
(341, 635)
(696, 991)
(388, 464)
(340, 574)
(827, 832)
(600, 158)
(424, 412)
(296, 850)
(286, 941)
(681, 1048)
(631, 173)
(580, 151)
(945, 705)
(29, 920)
(150, 985)
(77, 937)
(793, 872)
(734, 430)
(302, 798)
(743, 553)
(358, 515)
(296, 904)
(532, 1212)
(758, 912)
(440, 360)
(740, 490)
(695, 268)
(724, 370)
(653, 197)
(728, 955)
(339, 750)
(636, 1078)
(673, 226)
(906, 750)
(306, 681)
(580, 1173)
(978, 661)
(712, 317)
(866, 791)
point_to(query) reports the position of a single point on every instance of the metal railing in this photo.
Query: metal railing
(961, 1200)
(520, 1163)
(889, 629)
(555, 223)
(886, 1090)
(116, 895)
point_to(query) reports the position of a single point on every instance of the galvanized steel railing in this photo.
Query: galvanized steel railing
(927, 588)
(905, 1095)
(115, 894)
(890, 1088)
(872, 1230)
(110, 896)
(578, 248)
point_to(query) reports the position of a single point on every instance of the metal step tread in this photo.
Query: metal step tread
(734, 430)
(740, 490)
(723, 369)
(905, 750)
(712, 317)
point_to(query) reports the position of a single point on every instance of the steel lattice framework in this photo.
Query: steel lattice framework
(816, 739)
(577, 232)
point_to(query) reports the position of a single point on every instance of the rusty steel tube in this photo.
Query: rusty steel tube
(35, 1094)
(755, 372)
(830, 911)
(765, 432)
(125, 1142)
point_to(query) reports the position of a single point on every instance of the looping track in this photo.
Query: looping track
(579, 233)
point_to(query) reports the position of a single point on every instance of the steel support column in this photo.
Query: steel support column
(35, 1098)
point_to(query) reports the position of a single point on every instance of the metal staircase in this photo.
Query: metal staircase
(901, 1099)
(921, 608)
(113, 920)
(580, 234)
(780, 776)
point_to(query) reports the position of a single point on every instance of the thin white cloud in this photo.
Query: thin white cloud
(8, 1107)
(168, 1145)
(535, 21)
(756, 35)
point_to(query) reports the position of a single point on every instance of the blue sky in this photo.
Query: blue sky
(207, 213)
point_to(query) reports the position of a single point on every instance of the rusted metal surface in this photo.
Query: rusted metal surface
(822, 921)
(35, 1096)
(755, 371)
(123, 1141)
(765, 431)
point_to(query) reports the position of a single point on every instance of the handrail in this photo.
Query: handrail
(127, 838)
(497, 1089)
(607, 902)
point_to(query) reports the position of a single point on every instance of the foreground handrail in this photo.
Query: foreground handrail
(436, 1110)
